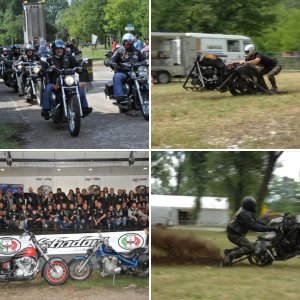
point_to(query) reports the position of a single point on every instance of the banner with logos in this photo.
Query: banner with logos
(74, 243)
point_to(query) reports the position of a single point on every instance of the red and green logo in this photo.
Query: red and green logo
(130, 241)
(9, 246)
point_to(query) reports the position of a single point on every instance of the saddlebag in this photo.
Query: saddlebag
(109, 89)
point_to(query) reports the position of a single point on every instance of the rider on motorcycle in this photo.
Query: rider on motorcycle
(270, 65)
(4, 53)
(127, 53)
(61, 60)
(29, 56)
(243, 220)
(16, 52)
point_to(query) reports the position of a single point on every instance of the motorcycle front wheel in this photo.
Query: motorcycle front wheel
(39, 92)
(261, 261)
(57, 277)
(145, 105)
(74, 117)
(75, 270)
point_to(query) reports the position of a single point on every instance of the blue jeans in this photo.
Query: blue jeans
(118, 79)
(46, 103)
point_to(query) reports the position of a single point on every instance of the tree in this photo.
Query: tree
(120, 13)
(53, 8)
(271, 159)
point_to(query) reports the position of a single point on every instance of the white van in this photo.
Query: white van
(173, 54)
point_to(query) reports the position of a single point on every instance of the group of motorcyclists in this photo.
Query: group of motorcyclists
(59, 55)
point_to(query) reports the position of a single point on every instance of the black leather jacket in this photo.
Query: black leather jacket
(244, 220)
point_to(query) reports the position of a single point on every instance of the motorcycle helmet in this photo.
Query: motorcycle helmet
(249, 204)
(127, 40)
(16, 46)
(4, 51)
(249, 51)
(28, 48)
(58, 44)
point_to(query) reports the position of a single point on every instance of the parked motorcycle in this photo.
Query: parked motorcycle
(23, 262)
(135, 88)
(276, 246)
(65, 102)
(210, 73)
(110, 262)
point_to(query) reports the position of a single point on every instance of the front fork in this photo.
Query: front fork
(65, 102)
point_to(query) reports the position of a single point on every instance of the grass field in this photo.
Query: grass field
(98, 54)
(195, 120)
(242, 281)
(11, 135)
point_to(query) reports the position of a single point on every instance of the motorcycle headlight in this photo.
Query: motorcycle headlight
(36, 70)
(142, 71)
(20, 67)
(69, 80)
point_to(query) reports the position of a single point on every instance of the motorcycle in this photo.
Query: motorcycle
(110, 262)
(65, 98)
(210, 73)
(23, 264)
(2, 67)
(135, 88)
(11, 78)
(32, 83)
(276, 246)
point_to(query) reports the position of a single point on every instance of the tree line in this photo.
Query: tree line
(232, 174)
(78, 19)
(273, 25)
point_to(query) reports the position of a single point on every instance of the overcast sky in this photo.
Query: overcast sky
(291, 165)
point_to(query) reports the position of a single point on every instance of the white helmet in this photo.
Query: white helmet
(249, 51)
(127, 38)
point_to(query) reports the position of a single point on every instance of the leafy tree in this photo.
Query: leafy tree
(53, 8)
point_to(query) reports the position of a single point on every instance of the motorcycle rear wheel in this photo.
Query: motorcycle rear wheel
(74, 267)
(74, 117)
(58, 278)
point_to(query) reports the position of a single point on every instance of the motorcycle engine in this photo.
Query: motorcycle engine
(126, 89)
(25, 267)
(210, 74)
(110, 266)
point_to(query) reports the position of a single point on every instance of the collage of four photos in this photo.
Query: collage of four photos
(150, 149)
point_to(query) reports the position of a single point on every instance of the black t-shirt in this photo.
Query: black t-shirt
(267, 62)
(13, 215)
(98, 213)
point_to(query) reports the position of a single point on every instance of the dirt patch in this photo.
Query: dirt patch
(37, 289)
(170, 247)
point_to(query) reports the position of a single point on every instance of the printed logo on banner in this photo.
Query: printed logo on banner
(130, 241)
(9, 246)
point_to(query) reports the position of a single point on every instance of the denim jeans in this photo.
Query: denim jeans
(46, 103)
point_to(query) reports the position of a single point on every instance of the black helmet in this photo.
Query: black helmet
(16, 46)
(249, 204)
(57, 44)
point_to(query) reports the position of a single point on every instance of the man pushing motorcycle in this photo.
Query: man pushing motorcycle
(61, 60)
(270, 65)
(243, 220)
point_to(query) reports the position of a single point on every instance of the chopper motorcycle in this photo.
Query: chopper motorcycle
(276, 246)
(110, 262)
(20, 261)
(210, 73)
(65, 103)
(135, 88)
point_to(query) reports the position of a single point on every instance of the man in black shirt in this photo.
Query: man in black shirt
(270, 65)
(12, 218)
(99, 216)
(31, 197)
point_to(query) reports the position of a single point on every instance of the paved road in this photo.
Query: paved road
(105, 128)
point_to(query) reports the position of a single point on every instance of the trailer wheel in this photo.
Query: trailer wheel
(163, 77)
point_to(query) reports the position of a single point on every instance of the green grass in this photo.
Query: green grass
(242, 281)
(209, 119)
(11, 135)
(98, 54)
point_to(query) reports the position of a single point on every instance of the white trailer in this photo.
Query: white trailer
(173, 54)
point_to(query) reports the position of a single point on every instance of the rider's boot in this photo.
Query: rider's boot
(45, 113)
(86, 111)
(273, 83)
